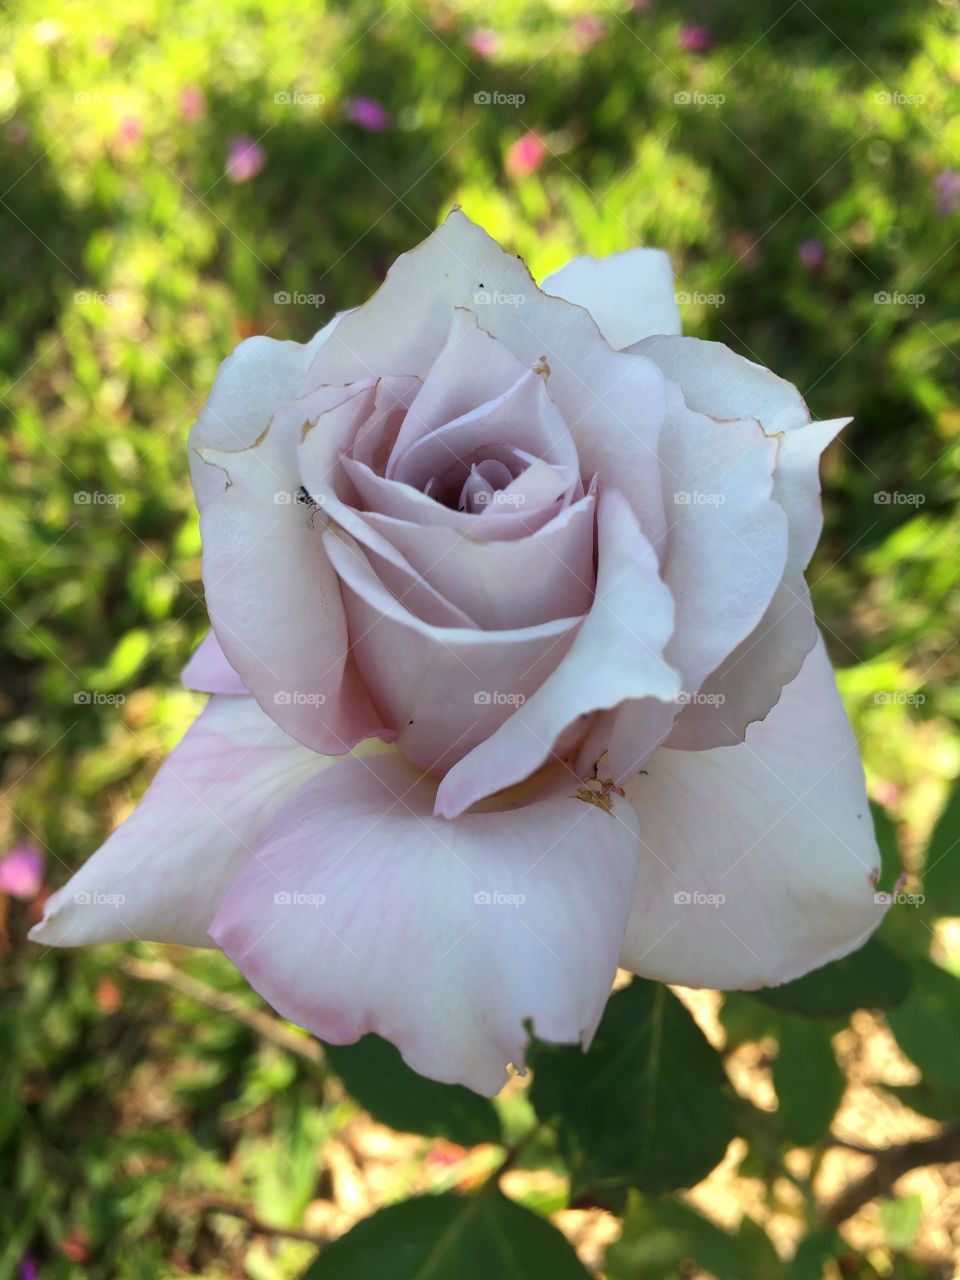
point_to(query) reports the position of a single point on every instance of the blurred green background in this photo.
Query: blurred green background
(172, 175)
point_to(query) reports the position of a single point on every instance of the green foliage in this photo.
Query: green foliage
(648, 1107)
(871, 978)
(436, 1236)
(380, 1080)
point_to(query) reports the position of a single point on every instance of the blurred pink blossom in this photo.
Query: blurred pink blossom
(526, 155)
(368, 114)
(484, 42)
(811, 253)
(21, 872)
(129, 132)
(946, 188)
(587, 30)
(245, 158)
(192, 102)
(696, 38)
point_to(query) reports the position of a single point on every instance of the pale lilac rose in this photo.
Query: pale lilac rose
(514, 672)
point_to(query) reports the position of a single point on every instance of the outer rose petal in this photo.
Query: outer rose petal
(715, 380)
(172, 860)
(272, 595)
(779, 826)
(208, 670)
(395, 921)
(612, 402)
(726, 549)
(630, 295)
(617, 654)
(255, 379)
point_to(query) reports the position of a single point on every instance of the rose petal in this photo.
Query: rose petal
(255, 379)
(779, 826)
(272, 595)
(617, 654)
(726, 550)
(443, 689)
(748, 682)
(630, 295)
(612, 402)
(208, 670)
(162, 873)
(445, 938)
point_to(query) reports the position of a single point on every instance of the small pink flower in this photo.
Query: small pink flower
(368, 114)
(587, 30)
(811, 253)
(129, 132)
(696, 38)
(526, 155)
(21, 872)
(946, 188)
(245, 159)
(192, 102)
(484, 42)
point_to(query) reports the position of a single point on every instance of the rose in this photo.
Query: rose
(513, 670)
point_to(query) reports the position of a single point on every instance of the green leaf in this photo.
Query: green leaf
(814, 1252)
(871, 978)
(900, 1220)
(378, 1078)
(661, 1238)
(648, 1106)
(808, 1080)
(927, 1027)
(941, 876)
(450, 1238)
